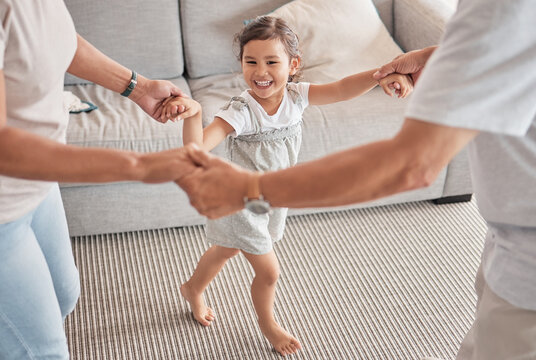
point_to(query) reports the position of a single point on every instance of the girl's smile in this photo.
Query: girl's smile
(263, 84)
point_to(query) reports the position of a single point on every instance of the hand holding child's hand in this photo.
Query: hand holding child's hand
(401, 84)
(178, 108)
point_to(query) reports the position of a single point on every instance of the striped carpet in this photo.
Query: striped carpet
(392, 282)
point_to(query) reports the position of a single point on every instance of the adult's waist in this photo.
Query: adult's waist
(19, 196)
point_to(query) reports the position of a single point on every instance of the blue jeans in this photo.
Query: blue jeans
(39, 284)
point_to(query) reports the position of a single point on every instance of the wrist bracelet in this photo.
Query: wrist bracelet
(131, 85)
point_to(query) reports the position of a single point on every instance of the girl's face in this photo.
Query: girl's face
(266, 68)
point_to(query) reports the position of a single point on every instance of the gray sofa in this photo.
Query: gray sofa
(189, 42)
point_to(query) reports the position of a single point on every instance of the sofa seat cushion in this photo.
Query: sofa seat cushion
(119, 123)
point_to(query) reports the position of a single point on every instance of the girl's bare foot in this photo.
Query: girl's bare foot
(281, 340)
(202, 313)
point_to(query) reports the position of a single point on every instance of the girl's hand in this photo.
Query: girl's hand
(401, 84)
(178, 108)
(151, 94)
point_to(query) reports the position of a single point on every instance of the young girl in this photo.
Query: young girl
(265, 127)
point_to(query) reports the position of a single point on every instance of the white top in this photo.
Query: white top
(483, 77)
(288, 113)
(37, 44)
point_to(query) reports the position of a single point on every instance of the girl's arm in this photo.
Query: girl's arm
(207, 138)
(215, 133)
(344, 89)
(192, 130)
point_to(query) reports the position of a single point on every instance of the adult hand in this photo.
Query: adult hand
(410, 63)
(164, 166)
(217, 187)
(152, 94)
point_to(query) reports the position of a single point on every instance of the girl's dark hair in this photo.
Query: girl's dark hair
(266, 28)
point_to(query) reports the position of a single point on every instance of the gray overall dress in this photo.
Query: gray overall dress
(262, 151)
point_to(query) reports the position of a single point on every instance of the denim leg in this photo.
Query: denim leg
(31, 325)
(50, 227)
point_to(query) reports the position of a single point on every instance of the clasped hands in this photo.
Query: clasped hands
(197, 172)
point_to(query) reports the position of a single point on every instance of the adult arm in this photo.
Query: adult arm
(26, 155)
(91, 64)
(410, 160)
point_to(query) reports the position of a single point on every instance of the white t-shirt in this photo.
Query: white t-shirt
(37, 44)
(483, 77)
(289, 112)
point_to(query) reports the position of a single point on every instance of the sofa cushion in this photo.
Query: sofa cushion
(209, 28)
(141, 35)
(338, 37)
(420, 23)
(119, 123)
(385, 10)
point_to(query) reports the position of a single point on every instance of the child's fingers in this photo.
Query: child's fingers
(188, 113)
(175, 112)
(163, 114)
(158, 115)
(167, 100)
(170, 99)
(405, 92)
(166, 104)
(386, 89)
(170, 111)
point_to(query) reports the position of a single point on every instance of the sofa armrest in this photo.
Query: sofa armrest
(420, 23)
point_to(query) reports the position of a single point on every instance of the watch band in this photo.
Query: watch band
(131, 85)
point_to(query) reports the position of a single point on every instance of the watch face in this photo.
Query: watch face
(258, 206)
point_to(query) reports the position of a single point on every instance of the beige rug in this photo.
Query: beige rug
(392, 282)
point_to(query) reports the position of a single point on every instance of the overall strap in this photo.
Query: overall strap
(239, 103)
(294, 95)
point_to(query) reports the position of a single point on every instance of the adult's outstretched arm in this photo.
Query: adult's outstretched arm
(91, 64)
(410, 160)
(29, 156)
